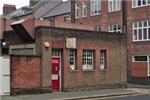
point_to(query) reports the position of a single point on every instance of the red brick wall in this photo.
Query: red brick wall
(79, 79)
(139, 69)
(25, 72)
(102, 20)
(136, 48)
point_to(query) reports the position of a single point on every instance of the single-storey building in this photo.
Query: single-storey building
(64, 59)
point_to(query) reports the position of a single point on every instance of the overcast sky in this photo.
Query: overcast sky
(18, 3)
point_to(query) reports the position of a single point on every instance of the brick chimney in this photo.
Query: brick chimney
(33, 2)
(8, 8)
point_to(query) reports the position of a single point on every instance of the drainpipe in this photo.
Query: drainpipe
(124, 28)
(72, 11)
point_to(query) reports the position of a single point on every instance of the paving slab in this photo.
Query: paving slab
(72, 95)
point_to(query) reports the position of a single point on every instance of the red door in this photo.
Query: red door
(55, 75)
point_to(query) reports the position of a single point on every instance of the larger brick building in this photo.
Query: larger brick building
(126, 16)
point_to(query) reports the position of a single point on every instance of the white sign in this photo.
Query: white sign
(54, 77)
(71, 43)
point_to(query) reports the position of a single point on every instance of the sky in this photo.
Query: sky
(18, 3)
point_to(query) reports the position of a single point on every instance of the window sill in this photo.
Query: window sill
(141, 6)
(103, 70)
(73, 70)
(114, 11)
(95, 14)
(88, 70)
(141, 40)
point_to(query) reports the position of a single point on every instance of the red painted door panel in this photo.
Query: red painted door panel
(55, 75)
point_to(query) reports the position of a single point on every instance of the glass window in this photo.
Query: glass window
(88, 59)
(103, 59)
(77, 13)
(141, 31)
(95, 7)
(140, 58)
(114, 5)
(72, 59)
(115, 28)
(84, 8)
(140, 3)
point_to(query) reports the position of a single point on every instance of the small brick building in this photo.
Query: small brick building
(70, 60)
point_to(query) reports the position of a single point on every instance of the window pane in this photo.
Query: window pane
(135, 35)
(145, 23)
(145, 33)
(148, 1)
(135, 25)
(139, 2)
(140, 34)
(140, 58)
(140, 24)
(144, 2)
(148, 33)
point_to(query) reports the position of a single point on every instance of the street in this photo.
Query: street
(127, 97)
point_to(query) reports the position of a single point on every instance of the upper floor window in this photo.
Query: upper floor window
(114, 5)
(84, 8)
(114, 28)
(95, 7)
(88, 59)
(141, 31)
(77, 13)
(140, 3)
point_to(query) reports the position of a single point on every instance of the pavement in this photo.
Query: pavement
(73, 95)
(131, 90)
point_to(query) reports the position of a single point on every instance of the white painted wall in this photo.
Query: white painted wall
(4, 76)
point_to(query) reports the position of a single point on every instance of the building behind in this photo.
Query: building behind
(130, 17)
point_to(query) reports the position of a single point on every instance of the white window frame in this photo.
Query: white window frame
(88, 57)
(77, 10)
(135, 3)
(111, 28)
(133, 58)
(95, 5)
(84, 8)
(103, 61)
(72, 59)
(136, 27)
(114, 5)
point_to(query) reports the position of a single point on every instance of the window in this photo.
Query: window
(67, 18)
(84, 8)
(114, 5)
(95, 7)
(141, 31)
(114, 28)
(88, 59)
(56, 52)
(72, 59)
(77, 13)
(139, 58)
(140, 3)
(103, 59)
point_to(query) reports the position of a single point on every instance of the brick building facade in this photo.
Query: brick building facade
(83, 56)
(69, 60)
(125, 16)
